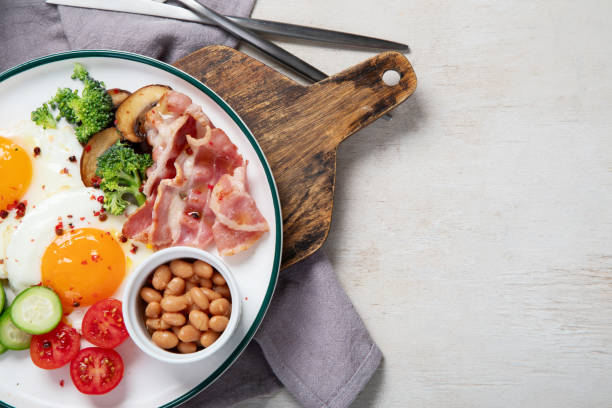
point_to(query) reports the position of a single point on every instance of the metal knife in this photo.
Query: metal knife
(158, 8)
(273, 50)
(298, 65)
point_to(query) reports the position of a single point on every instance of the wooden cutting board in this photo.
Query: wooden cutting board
(300, 127)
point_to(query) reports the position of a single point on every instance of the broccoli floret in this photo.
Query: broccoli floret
(43, 117)
(122, 171)
(80, 72)
(93, 111)
(62, 101)
(90, 112)
(114, 202)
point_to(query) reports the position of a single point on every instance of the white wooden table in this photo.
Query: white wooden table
(482, 260)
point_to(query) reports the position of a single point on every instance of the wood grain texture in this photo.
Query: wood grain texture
(300, 127)
(482, 262)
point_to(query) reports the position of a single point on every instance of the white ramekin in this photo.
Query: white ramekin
(133, 305)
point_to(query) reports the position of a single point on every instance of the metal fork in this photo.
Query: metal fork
(266, 46)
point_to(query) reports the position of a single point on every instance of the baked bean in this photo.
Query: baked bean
(150, 295)
(218, 323)
(202, 269)
(211, 294)
(188, 333)
(157, 324)
(193, 307)
(199, 298)
(206, 283)
(198, 319)
(187, 348)
(176, 286)
(218, 279)
(208, 338)
(174, 319)
(174, 303)
(189, 285)
(220, 307)
(153, 309)
(181, 269)
(223, 291)
(161, 277)
(165, 339)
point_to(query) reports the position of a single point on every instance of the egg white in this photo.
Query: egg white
(55, 191)
(37, 230)
(52, 171)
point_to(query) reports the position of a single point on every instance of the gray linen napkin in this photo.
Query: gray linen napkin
(312, 341)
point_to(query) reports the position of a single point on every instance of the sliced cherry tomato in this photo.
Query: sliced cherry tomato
(103, 324)
(56, 348)
(96, 370)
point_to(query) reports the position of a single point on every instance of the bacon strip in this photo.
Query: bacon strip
(139, 222)
(197, 189)
(233, 205)
(230, 242)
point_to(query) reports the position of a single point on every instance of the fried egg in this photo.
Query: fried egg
(35, 164)
(64, 244)
(15, 172)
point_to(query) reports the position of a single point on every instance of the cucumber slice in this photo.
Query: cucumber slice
(10, 336)
(2, 300)
(2, 348)
(36, 310)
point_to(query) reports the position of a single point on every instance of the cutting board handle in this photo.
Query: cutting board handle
(299, 127)
(358, 96)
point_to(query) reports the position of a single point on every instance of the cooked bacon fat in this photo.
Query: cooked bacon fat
(139, 222)
(197, 190)
(233, 205)
(230, 242)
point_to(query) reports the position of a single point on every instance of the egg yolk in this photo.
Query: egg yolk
(83, 266)
(15, 172)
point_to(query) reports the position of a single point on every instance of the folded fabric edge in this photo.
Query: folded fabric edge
(346, 393)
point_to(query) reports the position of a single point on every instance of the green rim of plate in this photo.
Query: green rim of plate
(277, 211)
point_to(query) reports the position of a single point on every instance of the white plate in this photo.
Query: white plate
(146, 382)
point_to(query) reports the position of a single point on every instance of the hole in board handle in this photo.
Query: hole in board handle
(391, 77)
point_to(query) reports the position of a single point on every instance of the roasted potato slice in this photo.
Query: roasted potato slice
(118, 96)
(137, 104)
(97, 145)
